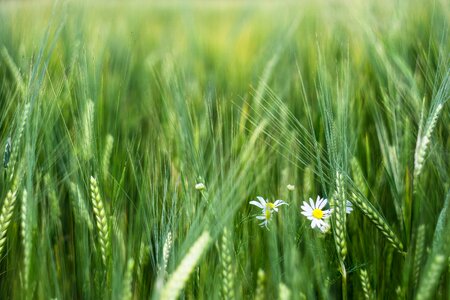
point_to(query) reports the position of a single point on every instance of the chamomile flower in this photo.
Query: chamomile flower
(267, 209)
(316, 213)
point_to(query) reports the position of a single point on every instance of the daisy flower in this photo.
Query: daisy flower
(267, 209)
(316, 214)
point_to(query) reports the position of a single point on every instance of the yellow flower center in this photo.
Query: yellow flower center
(267, 214)
(270, 205)
(317, 213)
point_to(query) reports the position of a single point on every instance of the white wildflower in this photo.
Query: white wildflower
(267, 209)
(316, 214)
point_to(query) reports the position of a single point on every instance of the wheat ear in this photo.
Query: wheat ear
(128, 281)
(431, 278)
(375, 217)
(365, 283)
(179, 277)
(88, 129)
(418, 254)
(107, 154)
(6, 215)
(227, 266)
(340, 216)
(16, 143)
(424, 140)
(101, 219)
(358, 177)
(26, 239)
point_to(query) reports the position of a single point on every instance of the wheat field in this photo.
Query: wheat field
(225, 149)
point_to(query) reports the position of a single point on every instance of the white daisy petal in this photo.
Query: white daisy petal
(322, 204)
(313, 206)
(261, 217)
(256, 203)
(280, 202)
(261, 200)
(324, 227)
(326, 212)
(349, 207)
(318, 202)
(322, 223)
(306, 207)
